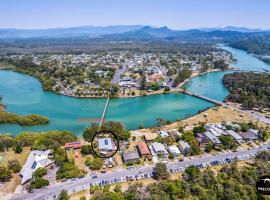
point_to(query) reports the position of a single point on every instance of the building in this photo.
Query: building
(212, 137)
(159, 148)
(256, 132)
(184, 147)
(105, 144)
(35, 160)
(131, 157)
(174, 150)
(143, 149)
(73, 145)
(247, 136)
(235, 136)
(202, 139)
(163, 134)
(149, 137)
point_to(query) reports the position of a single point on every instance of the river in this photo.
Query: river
(23, 95)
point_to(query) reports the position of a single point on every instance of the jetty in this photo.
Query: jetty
(104, 111)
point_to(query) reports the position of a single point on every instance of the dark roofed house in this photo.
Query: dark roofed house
(131, 157)
(73, 145)
(248, 135)
(202, 139)
(143, 149)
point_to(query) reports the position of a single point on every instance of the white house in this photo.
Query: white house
(35, 160)
(174, 150)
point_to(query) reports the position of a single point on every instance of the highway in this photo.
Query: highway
(84, 183)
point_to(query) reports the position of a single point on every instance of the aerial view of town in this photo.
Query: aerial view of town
(137, 100)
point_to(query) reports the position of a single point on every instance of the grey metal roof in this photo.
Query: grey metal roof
(131, 155)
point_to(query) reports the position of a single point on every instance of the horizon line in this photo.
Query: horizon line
(104, 26)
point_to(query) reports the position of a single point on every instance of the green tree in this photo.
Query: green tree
(14, 165)
(143, 82)
(63, 195)
(161, 171)
(209, 147)
(18, 148)
(86, 150)
(227, 142)
(5, 174)
(94, 163)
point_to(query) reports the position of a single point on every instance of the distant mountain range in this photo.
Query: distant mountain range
(126, 32)
(233, 28)
(82, 31)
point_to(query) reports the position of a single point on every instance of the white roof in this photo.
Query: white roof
(174, 149)
(183, 144)
(105, 143)
(163, 134)
(256, 132)
(214, 132)
(35, 160)
(212, 137)
(234, 135)
(158, 147)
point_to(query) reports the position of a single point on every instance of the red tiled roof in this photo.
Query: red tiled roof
(74, 145)
(143, 148)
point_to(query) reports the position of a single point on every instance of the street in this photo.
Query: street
(84, 183)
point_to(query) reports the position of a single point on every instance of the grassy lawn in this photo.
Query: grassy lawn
(10, 155)
(80, 160)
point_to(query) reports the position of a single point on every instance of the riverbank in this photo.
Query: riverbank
(139, 93)
(211, 115)
(27, 120)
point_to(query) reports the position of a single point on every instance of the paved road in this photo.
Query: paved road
(117, 76)
(84, 183)
(167, 78)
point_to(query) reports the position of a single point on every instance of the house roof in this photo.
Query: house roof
(105, 143)
(201, 138)
(234, 135)
(174, 149)
(163, 134)
(183, 144)
(35, 160)
(212, 137)
(132, 155)
(158, 147)
(74, 145)
(143, 148)
(248, 135)
(150, 136)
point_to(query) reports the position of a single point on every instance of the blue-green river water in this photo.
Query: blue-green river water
(23, 94)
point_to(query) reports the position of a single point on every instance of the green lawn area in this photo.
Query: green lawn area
(9, 155)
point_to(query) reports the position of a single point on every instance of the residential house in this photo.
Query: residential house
(235, 136)
(149, 137)
(247, 136)
(159, 149)
(212, 137)
(202, 139)
(174, 150)
(143, 149)
(35, 160)
(73, 145)
(163, 134)
(105, 144)
(184, 147)
(131, 157)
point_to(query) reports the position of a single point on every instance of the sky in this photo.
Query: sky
(176, 14)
